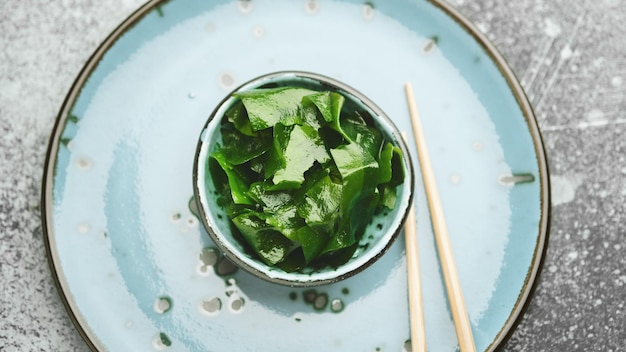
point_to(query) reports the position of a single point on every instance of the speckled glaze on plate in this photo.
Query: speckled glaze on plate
(138, 273)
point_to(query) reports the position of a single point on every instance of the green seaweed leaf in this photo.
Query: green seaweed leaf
(267, 107)
(303, 149)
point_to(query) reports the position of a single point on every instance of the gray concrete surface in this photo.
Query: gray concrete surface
(570, 56)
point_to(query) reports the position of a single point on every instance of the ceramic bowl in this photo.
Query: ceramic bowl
(380, 232)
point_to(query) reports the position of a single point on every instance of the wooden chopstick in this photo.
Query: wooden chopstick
(416, 304)
(446, 257)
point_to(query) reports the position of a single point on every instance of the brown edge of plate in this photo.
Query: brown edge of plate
(539, 255)
(90, 65)
(541, 247)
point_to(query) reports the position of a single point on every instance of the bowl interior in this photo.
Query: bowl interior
(380, 232)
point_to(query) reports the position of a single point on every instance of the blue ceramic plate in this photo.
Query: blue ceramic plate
(136, 270)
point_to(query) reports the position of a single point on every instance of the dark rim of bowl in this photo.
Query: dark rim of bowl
(286, 76)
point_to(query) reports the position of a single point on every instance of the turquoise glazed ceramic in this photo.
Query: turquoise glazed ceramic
(379, 234)
(133, 263)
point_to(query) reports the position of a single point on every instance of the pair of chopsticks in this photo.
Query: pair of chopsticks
(446, 257)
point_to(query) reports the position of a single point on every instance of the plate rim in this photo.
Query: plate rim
(532, 277)
(541, 246)
(63, 287)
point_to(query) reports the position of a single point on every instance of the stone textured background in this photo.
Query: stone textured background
(570, 56)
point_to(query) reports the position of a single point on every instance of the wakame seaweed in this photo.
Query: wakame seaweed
(300, 175)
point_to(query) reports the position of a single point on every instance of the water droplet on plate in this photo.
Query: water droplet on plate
(209, 256)
(429, 46)
(211, 306)
(258, 31)
(336, 305)
(236, 305)
(161, 342)
(192, 222)
(202, 269)
(511, 180)
(245, 6)
(309, 296)
(455, 179)
(226, 80)
(311, 6)
(193, 207)
(83, 229)
(175, 217)
(162, 305)
(83, 163)
(320, 301)
(407, 346)
(225, 267)
(368, 10)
